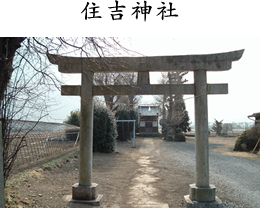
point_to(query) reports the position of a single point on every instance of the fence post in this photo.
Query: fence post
(2, 186)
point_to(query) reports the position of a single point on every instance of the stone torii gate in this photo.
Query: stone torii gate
(201, 194)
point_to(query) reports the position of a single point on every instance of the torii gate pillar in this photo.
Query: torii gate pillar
(85, 190)
(202, 191)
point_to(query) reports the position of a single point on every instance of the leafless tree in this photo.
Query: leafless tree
(226, 128)
(114, 102)
(26, 79)
(129, 101)
(109, 79)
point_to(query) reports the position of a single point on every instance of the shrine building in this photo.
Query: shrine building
(148, 120)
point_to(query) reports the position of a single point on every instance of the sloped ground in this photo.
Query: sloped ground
(154, 174)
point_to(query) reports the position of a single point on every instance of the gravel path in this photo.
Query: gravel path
(236, 178)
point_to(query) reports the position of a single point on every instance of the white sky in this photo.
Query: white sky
(202, 27)
(243, 78)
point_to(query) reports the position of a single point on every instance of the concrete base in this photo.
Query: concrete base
(195, 204)
(84, 192)
(202, 194)
(96, 202)
(202, 197)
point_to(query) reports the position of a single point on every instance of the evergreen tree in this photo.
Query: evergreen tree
(104, 128)
(125, 129)
(217, 127)
(173, 110)
(180, 118)
(73, 118)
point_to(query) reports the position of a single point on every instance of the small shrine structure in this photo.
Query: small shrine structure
(148, 120)
(256, 116)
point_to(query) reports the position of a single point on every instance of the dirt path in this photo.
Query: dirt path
(142, 190)
(130, 178)
(134, 177)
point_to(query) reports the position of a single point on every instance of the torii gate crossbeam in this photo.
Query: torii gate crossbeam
(201, 192)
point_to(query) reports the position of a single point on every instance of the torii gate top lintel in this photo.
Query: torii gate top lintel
(208, 62)
(142, 65)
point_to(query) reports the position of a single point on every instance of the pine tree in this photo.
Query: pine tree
(180, 118)
(217, 127)
(174, 113)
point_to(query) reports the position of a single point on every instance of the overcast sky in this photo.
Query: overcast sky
(243, 78)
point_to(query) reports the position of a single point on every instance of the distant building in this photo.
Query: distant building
(256, 116)
(148, 119)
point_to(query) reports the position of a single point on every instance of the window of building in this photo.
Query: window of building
(155, 124)
(142, 123)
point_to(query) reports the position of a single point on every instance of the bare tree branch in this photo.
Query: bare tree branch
(26, 94)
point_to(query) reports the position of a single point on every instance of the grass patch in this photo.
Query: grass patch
(13, 198)
(23, 177)
(58, 162)
(34, 174)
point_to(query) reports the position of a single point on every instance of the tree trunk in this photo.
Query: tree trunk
(8, 46)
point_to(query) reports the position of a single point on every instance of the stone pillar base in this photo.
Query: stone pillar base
(195, 204)
(202, 197)
(96, 202)
(84, 192)
(202, 194)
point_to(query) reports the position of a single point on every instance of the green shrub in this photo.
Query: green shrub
(179, 137)
(241, 140)
(178, 130)
(250, 144)
(104, 130)
(254, 133)
(245, 141)
(73, 118)
(125, 129)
